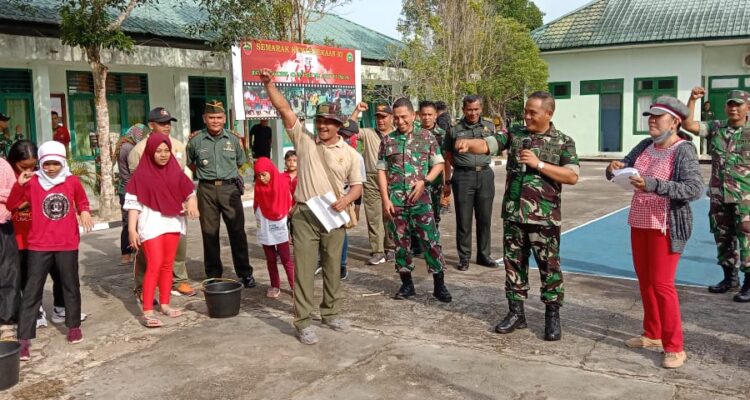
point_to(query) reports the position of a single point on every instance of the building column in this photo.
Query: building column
(182, 105)
(42, 109)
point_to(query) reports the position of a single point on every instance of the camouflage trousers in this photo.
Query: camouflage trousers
(544, 241)
(730, 224)
(416, 222)
(436, 195)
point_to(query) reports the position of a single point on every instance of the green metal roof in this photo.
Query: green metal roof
(619, 22)
(168, 19)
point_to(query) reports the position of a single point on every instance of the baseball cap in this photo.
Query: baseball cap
(330, 111)
(160, 114)
(383, 109)
(737, 96)
(668, 105)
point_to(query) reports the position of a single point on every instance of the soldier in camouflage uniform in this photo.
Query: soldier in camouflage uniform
(408, 159)
(729, 187)
(540, 160)
(428, 119)
(5, 140)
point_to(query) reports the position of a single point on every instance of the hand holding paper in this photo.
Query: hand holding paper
(622, 177)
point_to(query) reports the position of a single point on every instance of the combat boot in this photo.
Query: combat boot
(516, 318)
(743, 296)
(407, 287)
(729, 282)
(552, 329)
(441, 292)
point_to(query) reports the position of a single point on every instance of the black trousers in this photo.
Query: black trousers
(124, 238)
(215, 202)
(473, 192)
(40, 264)
(10, 275)
(57, 293)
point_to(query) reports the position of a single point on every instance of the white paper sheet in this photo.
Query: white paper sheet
(330, 218)
(622, 177)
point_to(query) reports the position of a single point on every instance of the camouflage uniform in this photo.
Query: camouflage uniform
(729, 191)
(5, 143)
(436, 187)
(531, 211)
(406, 159)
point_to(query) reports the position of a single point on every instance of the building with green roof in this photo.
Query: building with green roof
(170, 67)
(609, 59)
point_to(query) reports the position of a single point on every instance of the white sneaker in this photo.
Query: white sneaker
(41, 319)
(58, 315)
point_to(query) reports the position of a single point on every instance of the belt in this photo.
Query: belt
(476, 169)
(218, 182)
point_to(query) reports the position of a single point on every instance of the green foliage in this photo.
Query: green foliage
(88, 24)
(523, 11)
(82, 170)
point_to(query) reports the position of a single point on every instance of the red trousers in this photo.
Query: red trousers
(655, 266)
(282, 249)
(160, 254)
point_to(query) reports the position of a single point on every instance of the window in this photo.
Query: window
(601, 86)
(560, 90)
(16, 101)
(127, 103)
(646, 91)
(203, 89)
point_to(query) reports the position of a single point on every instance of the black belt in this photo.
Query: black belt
(219, 182)
(476, 169)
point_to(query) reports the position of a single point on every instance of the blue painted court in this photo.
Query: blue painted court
(602, 248)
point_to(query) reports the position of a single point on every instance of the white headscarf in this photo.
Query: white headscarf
(52, 151)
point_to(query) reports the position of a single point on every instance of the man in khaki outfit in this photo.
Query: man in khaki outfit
(160, 123)
(311, 240)
(382, 248)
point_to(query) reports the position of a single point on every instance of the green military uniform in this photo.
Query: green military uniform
(406, 159)
(729, 191)
(531, 211)
(5, 143)
(473, 186)
(436, 186)
(216, 159)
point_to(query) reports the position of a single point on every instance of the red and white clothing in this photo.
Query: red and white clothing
(61, 135)
(54, 226)
(152, 223)
(649, 210)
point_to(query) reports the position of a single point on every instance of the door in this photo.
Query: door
(610, 122)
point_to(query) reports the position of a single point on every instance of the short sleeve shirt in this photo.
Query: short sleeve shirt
(312, 179)
(370, 139)
(406, 159)
(729, 148)
(464, 130)
(215, 157)
(530, 197)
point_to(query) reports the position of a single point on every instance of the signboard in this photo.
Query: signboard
(307, 75)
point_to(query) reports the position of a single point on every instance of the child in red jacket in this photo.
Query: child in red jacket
(56, 196)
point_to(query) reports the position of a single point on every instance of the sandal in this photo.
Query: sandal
(150, 321)
(273, 292)
(8, 333)
(170, 312)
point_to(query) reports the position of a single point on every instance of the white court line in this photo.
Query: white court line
(594, 220)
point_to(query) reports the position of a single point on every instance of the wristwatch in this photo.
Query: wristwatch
(540, 165)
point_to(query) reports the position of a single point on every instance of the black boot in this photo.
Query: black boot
(743, 296)
(407, 287)
(441, 292)
(516, 318)
(729, 282)
(552, 330)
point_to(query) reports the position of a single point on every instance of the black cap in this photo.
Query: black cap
(3, 117)
(383, 109)
(160, 114)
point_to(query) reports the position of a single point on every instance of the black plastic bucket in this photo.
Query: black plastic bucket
(222, 297)
(10, 364)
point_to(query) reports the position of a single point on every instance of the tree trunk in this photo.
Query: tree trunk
(107, 191)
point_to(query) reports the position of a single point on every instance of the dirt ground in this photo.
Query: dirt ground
(397, 349)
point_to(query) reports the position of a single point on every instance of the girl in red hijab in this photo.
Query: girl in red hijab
(272, 204)
(157, 198)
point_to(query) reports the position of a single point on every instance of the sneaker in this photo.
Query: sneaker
(344, 273)
(338, 325)
(674, 360)
(318, 270)
(41, 318)
(183, 289)
(75, 335)
(376, 259)
(642, 342)
(390, 255)
(273, 292)
(58, 315)
(307, 335)
(248, 281)
(25, 350)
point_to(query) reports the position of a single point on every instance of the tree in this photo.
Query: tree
(523, 11)
(230, 21)
(454, 47)
(94, 26)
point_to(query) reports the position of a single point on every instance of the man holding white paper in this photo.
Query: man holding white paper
(318, 158)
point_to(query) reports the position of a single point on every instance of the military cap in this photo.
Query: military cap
(383, 109)
(3, 117)
(329, 111)
(214, 106)
(160, 114)
(737, 96)
(668, 105)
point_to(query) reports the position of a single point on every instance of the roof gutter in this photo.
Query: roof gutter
(740, 40)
